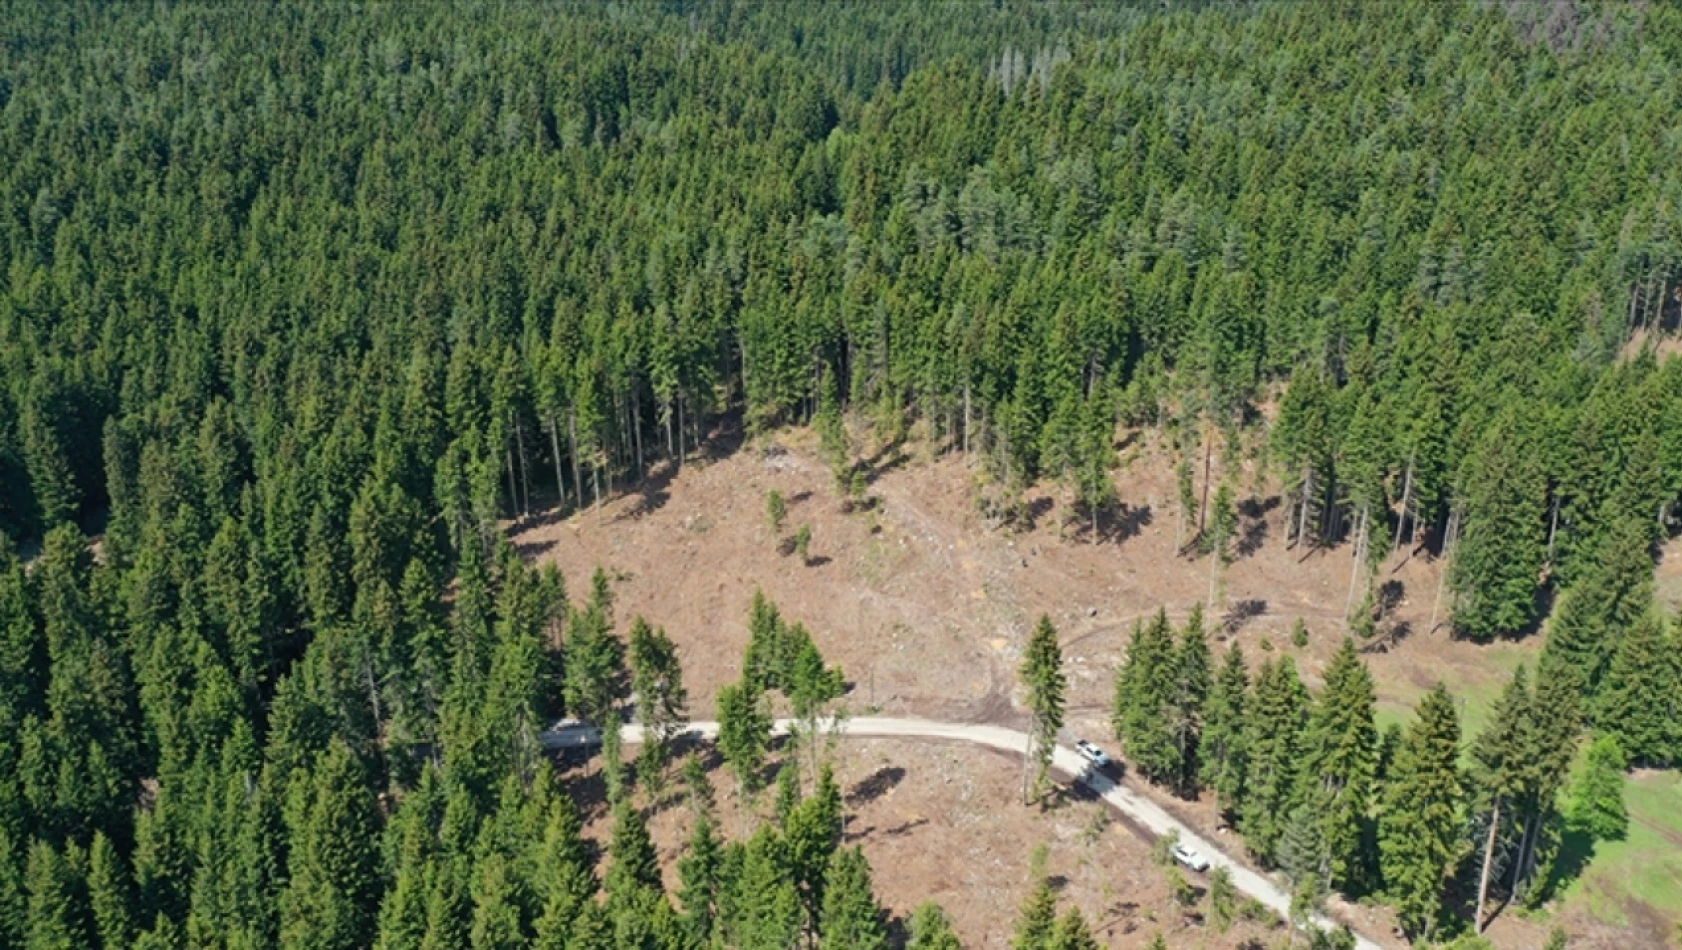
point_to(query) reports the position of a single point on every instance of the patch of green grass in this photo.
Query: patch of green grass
(1646, 866)
(1475, 699)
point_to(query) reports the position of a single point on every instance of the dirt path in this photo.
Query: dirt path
(1134, 806)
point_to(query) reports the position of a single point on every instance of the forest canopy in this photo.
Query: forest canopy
(301, 299)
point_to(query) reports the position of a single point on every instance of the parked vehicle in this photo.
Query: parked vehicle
(1092, 753)
(1190, 858)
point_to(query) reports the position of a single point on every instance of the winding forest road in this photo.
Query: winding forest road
(1130, 803)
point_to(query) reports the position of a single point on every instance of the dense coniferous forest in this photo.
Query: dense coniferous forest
(301, 300)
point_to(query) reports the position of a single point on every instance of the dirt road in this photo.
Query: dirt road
(1135, 806)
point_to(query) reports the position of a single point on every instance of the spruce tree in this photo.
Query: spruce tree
(635, 865)
(1221, 760)
(331, 897)
(56, 917)
(931, 929)
(1072, 933)
(1147, 686)
(698, 870)
(1612, 592)
(851, 919)
(1639, 699)
(1191, 691)
(1500, 757)
(1500, 553)
(595, 667)
(1278, 711)
(1420, 824)
(1340, 753)
(496, 912)
(1037, 920)
(1223, 898)
(1043, 680)
(765, 910)
(657, 680)
(109, 894)
(744, 732)
(812, 833)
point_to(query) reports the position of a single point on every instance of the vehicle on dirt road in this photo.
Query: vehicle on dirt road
(1092, 753)
(1190, 858)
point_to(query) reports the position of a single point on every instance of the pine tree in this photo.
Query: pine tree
(765, 911)
(1042, 678)
(1191, 691)
(699, 870)
(1420, 825)
(1221, 762)
(1499, 556)
(1596, 804)
(331, 898)
(1144, 713)
(635, 865)
(1340, 752)
(55, 916)
(931, 929)
(1639, 702)
(657, 680)
(1037, 920)
(744, 732)
(109, 894)
(1278, 711)
(1500, 756)
(851, 920)
(1072, 933)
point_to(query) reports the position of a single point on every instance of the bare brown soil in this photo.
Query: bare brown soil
(937, 824)
(926, 607)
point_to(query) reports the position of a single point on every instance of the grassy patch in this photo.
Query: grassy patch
(1645, 867)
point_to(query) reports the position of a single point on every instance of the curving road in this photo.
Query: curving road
(1128, 802)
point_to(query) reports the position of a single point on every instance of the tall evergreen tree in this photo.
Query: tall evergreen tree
(1278, 712)
(1191, 691)
(1420, 823)
(1144, 713)
(331, 899)
(1640, 700)
(1221, 763)
(851, 920)
(1499, 557)
(1499, 760)
(1043, 680)
(931, 929)
(1340, 762)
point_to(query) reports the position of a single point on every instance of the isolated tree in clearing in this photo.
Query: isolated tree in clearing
(1044, 682)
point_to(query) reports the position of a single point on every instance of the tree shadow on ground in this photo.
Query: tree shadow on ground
(531, 550)
(875, 785)
(653, 492)
(1116, 523)
(1576, 850)
(1241, 613)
